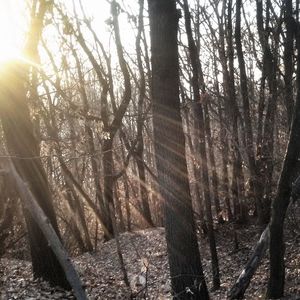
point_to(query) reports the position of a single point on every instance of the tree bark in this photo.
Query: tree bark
(37, 213)
(140, 123)
(244, 92)
(184, 258)
(22, 146)
(282, 199)
(239, 288)
(288, 59)
(265, 162)
(232, 109)
(200, 128)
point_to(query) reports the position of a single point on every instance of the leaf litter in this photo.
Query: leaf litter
(146, 262)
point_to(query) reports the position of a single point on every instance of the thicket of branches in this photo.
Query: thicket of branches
(90, 101)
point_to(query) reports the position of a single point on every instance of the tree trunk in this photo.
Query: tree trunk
(184, 259)
(234, 115)
(205, 98)
(200, 128)
(288, 59)
(140, 122)
(282, 199)
(50, 234)
(265, 164)
(108, 182)
(21, 144)
(239, 288)
(244, 91)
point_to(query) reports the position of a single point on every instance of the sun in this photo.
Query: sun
(12, 29)
(9, 52)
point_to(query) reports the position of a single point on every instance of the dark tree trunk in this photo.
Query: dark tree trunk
(239, 288)
(8, 206)
(199, 125)
(265, 163)
(234, 114)
(127, 203)
(288, 59)
(140, 123)
(184, 257)
(21, 143)
(282, 199)
(245, 93)
(108, 182)
(205, 98)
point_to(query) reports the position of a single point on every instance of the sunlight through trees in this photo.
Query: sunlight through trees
(147, 146)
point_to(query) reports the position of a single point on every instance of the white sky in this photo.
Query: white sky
(14, 23)
(12, 27)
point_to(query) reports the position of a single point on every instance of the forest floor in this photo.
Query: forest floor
(146, 262)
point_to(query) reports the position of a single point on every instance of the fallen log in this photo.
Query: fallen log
(43, 222)
(239, 288)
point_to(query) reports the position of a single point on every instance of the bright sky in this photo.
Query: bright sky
(12, 28)
(14, 17)
(99, 11)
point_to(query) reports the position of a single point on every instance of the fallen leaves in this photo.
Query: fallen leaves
(147, 266)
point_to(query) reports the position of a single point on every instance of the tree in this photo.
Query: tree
(265, 147)
(280, 204)
(199, 120)
(110, 125)
(244, 93)
(184, 259)
(140, 123)
(23, 147)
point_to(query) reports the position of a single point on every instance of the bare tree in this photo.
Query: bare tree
(185, 266)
